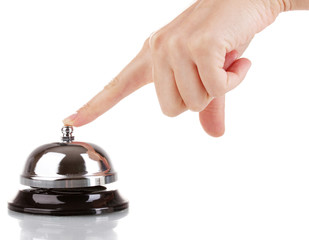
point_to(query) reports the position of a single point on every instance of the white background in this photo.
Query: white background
(182, 184)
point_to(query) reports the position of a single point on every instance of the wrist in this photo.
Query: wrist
(295, 4)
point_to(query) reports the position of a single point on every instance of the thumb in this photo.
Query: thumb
(135, 75)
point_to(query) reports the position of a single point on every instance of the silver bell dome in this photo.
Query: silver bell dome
(68, 164)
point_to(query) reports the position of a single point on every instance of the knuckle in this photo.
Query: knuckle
(175, 41)
(163, 41)
(146, 45)
(156, 41)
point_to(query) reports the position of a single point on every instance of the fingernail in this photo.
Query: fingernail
(70, 120)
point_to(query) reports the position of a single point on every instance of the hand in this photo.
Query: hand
(193, 61)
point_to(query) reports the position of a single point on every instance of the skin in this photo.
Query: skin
(193, 61)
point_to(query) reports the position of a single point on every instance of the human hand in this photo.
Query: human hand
(193, 61)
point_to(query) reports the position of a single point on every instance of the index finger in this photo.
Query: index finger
(135, 75)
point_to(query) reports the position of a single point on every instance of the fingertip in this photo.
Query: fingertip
(212, 118)
(246, 64)
(216, 134)
(76, 120)
(213, 129)
(69, 121)
(240, 67)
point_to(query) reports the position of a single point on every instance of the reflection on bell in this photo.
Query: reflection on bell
(68, 178)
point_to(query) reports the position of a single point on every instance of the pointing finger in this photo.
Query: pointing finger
(135, 75)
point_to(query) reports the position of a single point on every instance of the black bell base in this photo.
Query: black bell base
(68, 202)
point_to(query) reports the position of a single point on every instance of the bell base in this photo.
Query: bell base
(68, 202)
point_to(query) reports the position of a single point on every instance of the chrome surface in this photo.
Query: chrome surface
(68, 165)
